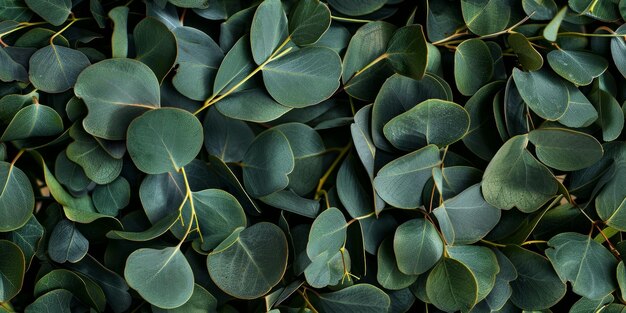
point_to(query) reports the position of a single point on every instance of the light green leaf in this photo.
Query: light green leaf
(391, 181)
(433, 121)
(564, 149)
(527, 55)
(417, 246)
(579, 67)
(304, 77)
(119, 38)
(256, 255)
(268, 30)
(12, 268)
(514, 178)
(111, 105)
(580, 112)
(17, 199)
(328, 234)
(162, 277)
(473, 66)
(586, 264)
(35, 120)
(552, 29)
(164, 140)
(55, 68)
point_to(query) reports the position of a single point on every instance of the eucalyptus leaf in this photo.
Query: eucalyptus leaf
(56, 68)
(12, 268)
(17, 199)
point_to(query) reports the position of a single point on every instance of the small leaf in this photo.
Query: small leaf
(256, 255)
(473, 66)
(485, 17)
(59, 300)
(109, 199)
(388, 275)
(54, 12)
(356, 7)
(219, 214)
(268, 30)
(162, 277)
(417, 246)
(98, 165)
(407, 51)
(28, 238)
(201, 301)
(35, 120)
(155, 46)
(526, 54)
(328, 233)
(308, 21)
(164, 140)
(17, 199)
(12, 268)
(552, 29)
(358, 298)
(67, 243)
(226, 138)
(265, 173)
(451, 286)
(609, 116)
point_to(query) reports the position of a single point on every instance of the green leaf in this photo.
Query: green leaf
(388, 274)
(417, 246)
(443, 19)
(201, 301)
(609, 116)
(155, 46)
(290, 201)
(544, 93)
(304, 77)
(256, 255)
(433, 121)
(11, 70)
(164, 140)
(111, 105)
(580, 112)
(82, 287)
(67, 243)
(59, 300)
(226, 138)
(416, 167)
(551, 30)
(586, 264)
(527, 55)
(98, 165)
(55, 68)
(610, 202)
(12, 268)
(327, 269)
(514, 178)
(119, 38)
(407, 51)
(578, 67)
(485, 17)
(265, 173)
(356, 7)
(236, 65)
(159, 228)
(198, 60)
(564, 149)
(358, 298)
(542, 10)
(238, 106)
(451, 286)
(35, 120)
(219, 214)
(308, 21)
(109, 199)
(473, 66)
(54, 12)
(592, 305)
(618, 50)
(483, 264)
(466, 218)
(600, 10)
(354, 194)
(328, 233)
(17, 199)
(537, 286)
(621, 278)
(162, 277)
(27, 238)
(268, 30)
(480, 137)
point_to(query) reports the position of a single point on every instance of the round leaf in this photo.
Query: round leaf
(417, 246)
(544, 93)
(268, 30)
(55, 68)
(35, 120)
(578, 67)
(308, 21)
(564, 149)
(155, 46)
(473, 66)
(12, 268)
(67, 243)
(17, 199)
(164, 140)
(451, 286)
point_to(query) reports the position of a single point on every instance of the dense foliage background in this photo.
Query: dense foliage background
(304, 156)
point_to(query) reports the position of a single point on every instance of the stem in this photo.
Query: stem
(74, 20)
(378, 59)
(306, 301)
(491, 243)
(7, 305)
(332, 167)
(608, 232)
(453, 36)
(530, 242)
(17, 157)
(193, 217)
(496, 34)
(350, 20)
(214, 98)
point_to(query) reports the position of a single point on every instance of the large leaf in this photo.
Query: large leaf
(308, 21)
(514, 178)
(155, 46)
(415, 167)
(111, 105)
(544, 93)
(256, 255)
(54, 12)
(16, 199)
(473, 66)
(437, 122)
(162, 277)
(586, 264)
(164, 140)
(417, 246)
(303, 78)
(55, 68)
(564, 149)
(451, 286)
